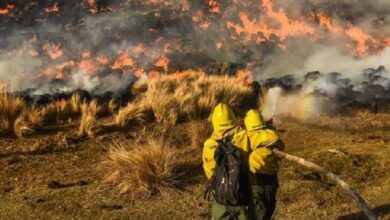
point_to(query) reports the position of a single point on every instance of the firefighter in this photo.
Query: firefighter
(225, 125)
(263, 164)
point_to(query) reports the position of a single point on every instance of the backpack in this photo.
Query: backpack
(229, 183)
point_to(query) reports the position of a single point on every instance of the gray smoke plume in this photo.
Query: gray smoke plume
(44, 47)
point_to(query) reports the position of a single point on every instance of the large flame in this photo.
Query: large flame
(156, 37)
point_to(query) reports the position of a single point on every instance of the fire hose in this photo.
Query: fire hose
(358, 199)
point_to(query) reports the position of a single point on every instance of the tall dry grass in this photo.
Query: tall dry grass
(89, 125)
(10, 110)
(132, 115)
(199, 131)
(16, 117)
(143, 169)
(63, 110)
(192, 95)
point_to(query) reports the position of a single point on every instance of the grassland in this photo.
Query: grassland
(85, 168)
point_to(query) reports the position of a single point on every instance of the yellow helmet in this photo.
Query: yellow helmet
(223, 117)
(254, 120)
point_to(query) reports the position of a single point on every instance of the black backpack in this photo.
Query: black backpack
(229, 183)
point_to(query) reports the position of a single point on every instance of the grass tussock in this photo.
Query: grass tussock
(192, 95)
(89, 125)
(199, 131)
(22, 128)
(10, 110)
(16, 117)
(113, 106)
(147, 169)
(134, 114)
(63, 110)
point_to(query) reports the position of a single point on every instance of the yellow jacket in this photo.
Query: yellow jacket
(240, 139)
(262, 160)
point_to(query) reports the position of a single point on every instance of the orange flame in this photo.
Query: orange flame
(53, 9)
(34, 53)
(214, 6)
(92, 6)
(86, 54)
(61, 75)
(326, 23)
(276, 22)
(140, 49)
(53, 50)
(102, 59)
(245, 76)
(7, 9)
(286, 27)
(88, 66)
(360, 38)
(65, 64)
(163, 62)
(123, 60)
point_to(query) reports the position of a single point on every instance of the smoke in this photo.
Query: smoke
(325, 60)
(302, 105)
(106, 44)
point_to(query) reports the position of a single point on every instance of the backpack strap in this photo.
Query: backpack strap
(208, 191)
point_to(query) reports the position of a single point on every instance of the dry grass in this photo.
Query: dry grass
(113, 106)
(63, 110)
(191, 95)
(199, 131)
(169, 100)
(10, 110)
(75, 102)
(89, 125)
(21, 127)
(57, 111)
(16, 117)
(144, 170)
(34, 117)
(133, 114)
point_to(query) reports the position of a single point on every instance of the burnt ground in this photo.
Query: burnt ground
(54, 175)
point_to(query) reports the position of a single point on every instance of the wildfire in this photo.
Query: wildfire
(140, 49)
(214, 6)
(277, 23)
(53, 9)
(53, 50)
(7, 9)
(61, 75)
(86, 54)
(102, 59)
(88, 67)
(92, 6)
(326, 23)
(200, 31)
(34, 53)
(123, 60)
(163, 62)
(285, 28)
(361, 38)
